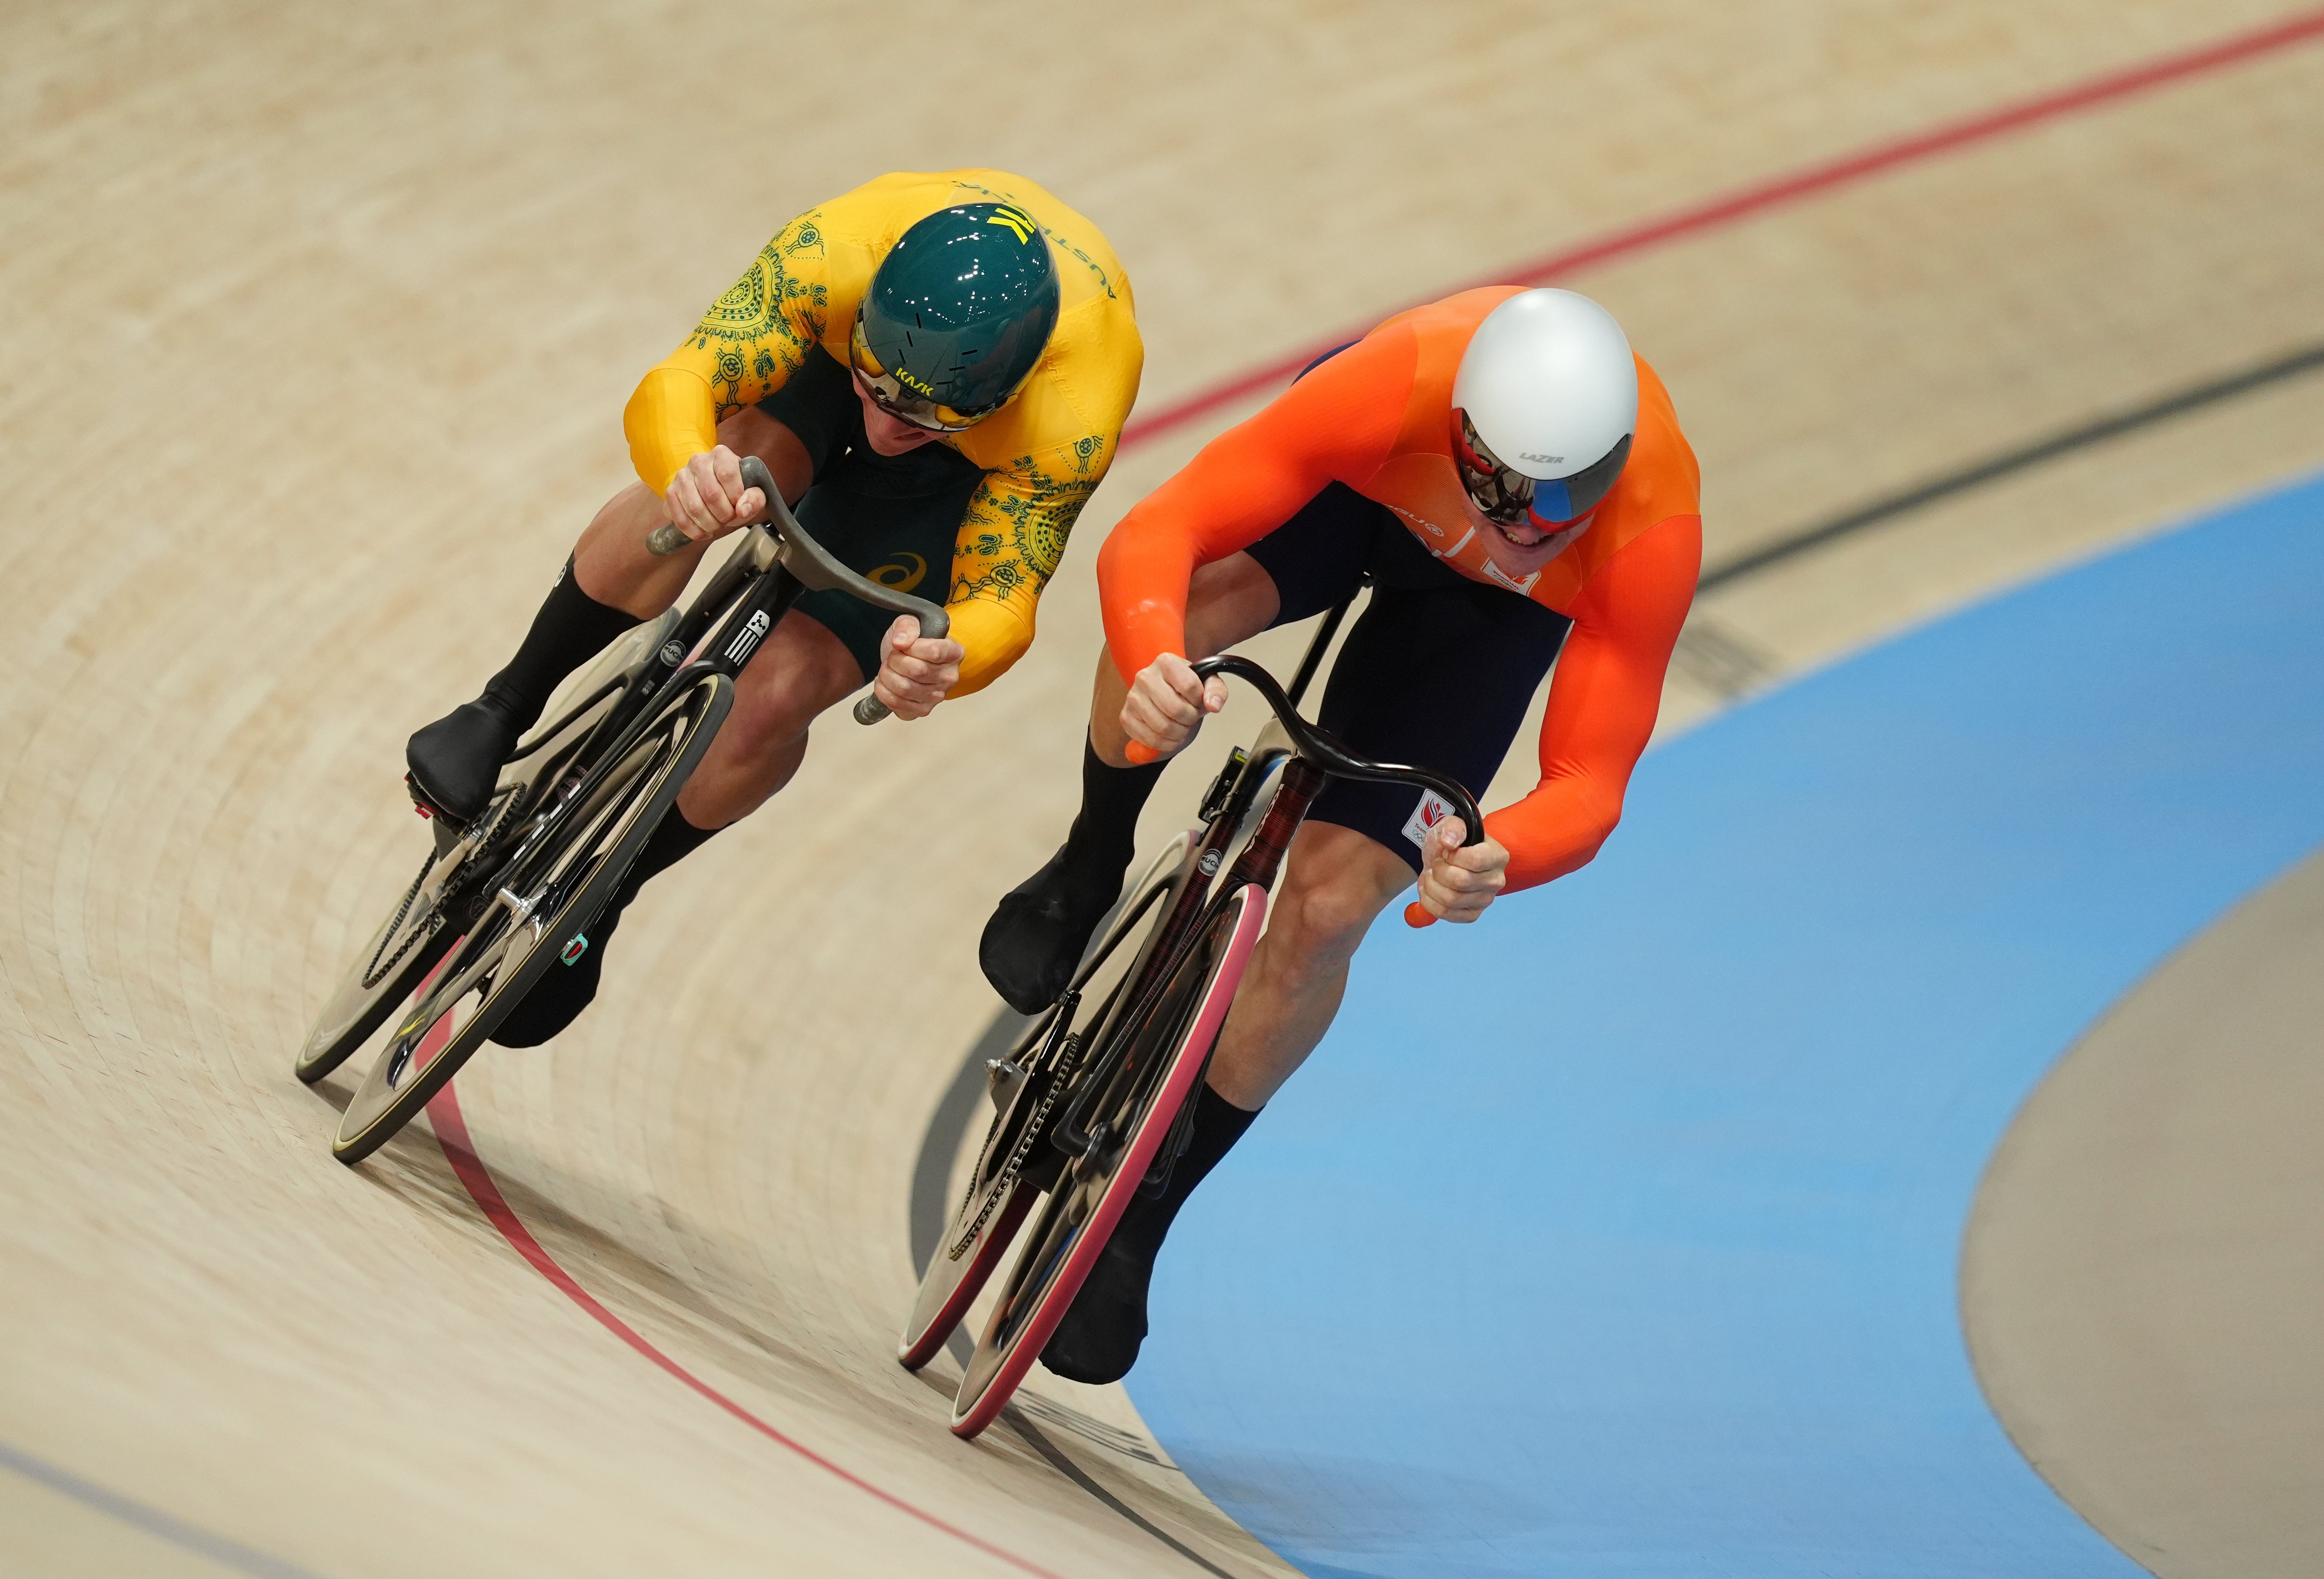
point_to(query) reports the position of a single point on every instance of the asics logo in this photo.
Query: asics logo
(900, 574)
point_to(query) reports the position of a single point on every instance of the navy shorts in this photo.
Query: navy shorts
(893, 518)
(1437, 671)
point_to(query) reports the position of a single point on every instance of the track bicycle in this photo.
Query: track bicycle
(504, 898)
(1093, 1103)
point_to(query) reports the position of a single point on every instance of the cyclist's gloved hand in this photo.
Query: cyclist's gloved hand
(1457, 884)
(916, 670)
(708, 498)
(1166, 706)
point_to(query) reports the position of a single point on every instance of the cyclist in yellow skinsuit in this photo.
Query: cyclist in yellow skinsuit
(935, 369)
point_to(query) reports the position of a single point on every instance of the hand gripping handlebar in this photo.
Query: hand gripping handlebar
(1321, 748)
(813, 565)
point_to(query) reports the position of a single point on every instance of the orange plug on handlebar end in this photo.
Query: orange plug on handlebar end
(1140, 755)
(1415, 914)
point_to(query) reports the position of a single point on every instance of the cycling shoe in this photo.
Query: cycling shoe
(1098, 1339)
(456, 761)
(1038, 932)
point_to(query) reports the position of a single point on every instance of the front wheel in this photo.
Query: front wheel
(1166, 1057)
(1015, 1162)
(488, 970)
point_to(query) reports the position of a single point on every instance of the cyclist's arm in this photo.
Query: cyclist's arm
(1337, 424)
(1010, 540)
(747, 345)
(1602, 702)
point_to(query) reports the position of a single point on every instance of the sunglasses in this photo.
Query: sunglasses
(900, 400)
(1507, 497)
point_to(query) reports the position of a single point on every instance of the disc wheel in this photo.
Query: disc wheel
(1013, 1166)
(487, 972)
(1158, 1076)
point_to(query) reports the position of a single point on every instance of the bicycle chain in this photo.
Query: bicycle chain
(493, 829)
(1068, 1060)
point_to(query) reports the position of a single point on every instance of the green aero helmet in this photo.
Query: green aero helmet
(959, 313)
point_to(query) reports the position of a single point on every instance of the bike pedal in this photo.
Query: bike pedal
(428, 809)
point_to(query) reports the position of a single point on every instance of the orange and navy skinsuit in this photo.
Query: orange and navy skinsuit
(1043, 454)
(1377, 416)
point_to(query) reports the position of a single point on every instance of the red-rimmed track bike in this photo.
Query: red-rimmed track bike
(1091, 1103)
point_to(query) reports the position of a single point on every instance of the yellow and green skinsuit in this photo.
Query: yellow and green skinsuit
(1042, 454)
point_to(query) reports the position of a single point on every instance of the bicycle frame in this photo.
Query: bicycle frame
(717, 632)
(1312, 759)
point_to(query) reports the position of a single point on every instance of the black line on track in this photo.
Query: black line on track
(2178, 403)
(1073, 1472)
(932, 1168)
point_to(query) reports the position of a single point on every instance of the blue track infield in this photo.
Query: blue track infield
(1617, 1235)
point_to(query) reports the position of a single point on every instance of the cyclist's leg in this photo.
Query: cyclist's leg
(1312, 562)
(610, 584)
(1338, 880)
(894, 518)
(801, 670)
(1438, 672)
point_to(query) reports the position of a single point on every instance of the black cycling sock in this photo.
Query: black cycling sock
(1218, 1125)
(665, 846)
(1104, 835)
(571, 628)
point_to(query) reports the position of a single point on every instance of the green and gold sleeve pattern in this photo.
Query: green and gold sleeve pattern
(760, 332)
(1011, 540)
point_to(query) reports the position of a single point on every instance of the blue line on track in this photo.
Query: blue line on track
(227, 1554)
(1618, 1234)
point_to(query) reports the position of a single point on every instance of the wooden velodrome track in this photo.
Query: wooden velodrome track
(318, 323)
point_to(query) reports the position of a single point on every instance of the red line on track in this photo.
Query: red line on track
(1760, 197)
(452, 1135)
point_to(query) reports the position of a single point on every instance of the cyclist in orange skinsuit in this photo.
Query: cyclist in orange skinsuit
(1367, 466)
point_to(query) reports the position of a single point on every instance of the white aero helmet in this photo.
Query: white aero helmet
(1543, 409)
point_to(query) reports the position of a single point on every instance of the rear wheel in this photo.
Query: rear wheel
(1165, 1057)
(487, 972)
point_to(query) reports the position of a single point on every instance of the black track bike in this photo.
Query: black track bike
(504, 898)
(1091, 1104)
